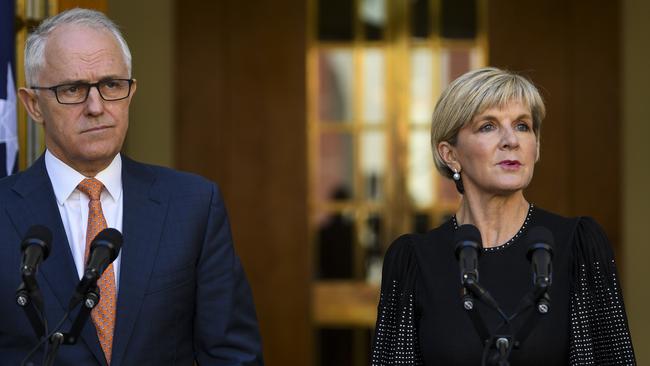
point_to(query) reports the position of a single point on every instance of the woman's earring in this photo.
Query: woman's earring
(456, 175)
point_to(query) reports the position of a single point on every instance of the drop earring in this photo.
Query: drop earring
(456, 175)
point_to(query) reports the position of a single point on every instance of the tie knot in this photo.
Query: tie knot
(92, 188)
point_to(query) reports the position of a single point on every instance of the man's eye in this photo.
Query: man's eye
(70, 89)
(111, 84)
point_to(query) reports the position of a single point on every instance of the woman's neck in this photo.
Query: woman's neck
(498, 218)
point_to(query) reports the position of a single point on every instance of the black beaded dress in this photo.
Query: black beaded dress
(421, 320)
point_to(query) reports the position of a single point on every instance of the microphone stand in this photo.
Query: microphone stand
(503, 339)
(28, 297)
(90, 300)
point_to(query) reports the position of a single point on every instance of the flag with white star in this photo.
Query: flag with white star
(8, 120)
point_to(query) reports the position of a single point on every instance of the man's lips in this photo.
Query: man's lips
(96, 128)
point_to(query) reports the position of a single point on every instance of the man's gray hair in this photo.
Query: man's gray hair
(35, 44)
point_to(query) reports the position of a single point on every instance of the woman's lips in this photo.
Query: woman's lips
(510, 164)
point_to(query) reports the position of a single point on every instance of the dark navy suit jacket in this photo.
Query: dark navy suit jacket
(183, 295)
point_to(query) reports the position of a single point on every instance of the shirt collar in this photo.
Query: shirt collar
(65, 179)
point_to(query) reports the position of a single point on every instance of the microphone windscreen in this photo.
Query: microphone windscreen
(467, 234)
(539, 237)
(41, 234)
(109, 236)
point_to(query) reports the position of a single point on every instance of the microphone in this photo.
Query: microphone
(468, 249)
(468, 245)
(35, 248)
(103, 251)
(540, 254)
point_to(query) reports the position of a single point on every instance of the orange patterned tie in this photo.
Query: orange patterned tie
(103, 314)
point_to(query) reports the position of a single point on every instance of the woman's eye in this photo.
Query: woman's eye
(522, 126)
(486, 127)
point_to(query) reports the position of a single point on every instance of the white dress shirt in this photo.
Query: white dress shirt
(73, 204)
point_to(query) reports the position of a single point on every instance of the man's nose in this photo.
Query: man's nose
(95, 102)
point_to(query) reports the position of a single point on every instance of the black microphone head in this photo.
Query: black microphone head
(38, 235)
(539, 237)
(109, 238)
(467, 235)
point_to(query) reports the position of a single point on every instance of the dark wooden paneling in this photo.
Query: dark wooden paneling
(101, 5)
(597, 113)
(241, 121)
(571, 50)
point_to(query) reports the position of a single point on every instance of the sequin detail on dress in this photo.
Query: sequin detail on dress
(599, 332)
(396, 340)
(519, 233)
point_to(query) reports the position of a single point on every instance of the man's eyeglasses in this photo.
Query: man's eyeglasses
(77, 93)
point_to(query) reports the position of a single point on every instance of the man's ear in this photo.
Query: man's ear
(448, 154)
(134, 86)
(28, 97)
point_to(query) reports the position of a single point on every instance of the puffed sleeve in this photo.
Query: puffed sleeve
(396, 339)
(599, 330)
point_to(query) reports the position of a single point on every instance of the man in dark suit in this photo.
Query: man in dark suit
(177, 293)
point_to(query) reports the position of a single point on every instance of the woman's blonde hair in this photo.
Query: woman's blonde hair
(473, 93)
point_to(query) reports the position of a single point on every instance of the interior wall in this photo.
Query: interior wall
(241, 94)
(149, 30)
(636, 168)
(100, 5)
(565, 49)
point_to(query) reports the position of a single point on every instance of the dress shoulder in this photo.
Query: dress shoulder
(399, 263)
(591, 245)
(581, 237)
(401, 258)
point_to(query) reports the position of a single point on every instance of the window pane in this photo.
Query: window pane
(335, 245)
(420, 19)
(420, 170)
(335, 20)
(455, 62)
(374, 85)
(421, 85)
(335, 75)
(372, 241)
(335, 168)
(458, 19)
(373, 163)
(373, 16)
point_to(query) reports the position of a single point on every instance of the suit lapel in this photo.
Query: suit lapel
(145, 208)
(38, 206)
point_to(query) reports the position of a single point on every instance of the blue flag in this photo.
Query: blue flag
(8, 120)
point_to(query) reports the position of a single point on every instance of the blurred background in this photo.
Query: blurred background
(313, 117)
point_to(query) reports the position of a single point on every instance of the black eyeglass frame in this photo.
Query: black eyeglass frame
(89, 85)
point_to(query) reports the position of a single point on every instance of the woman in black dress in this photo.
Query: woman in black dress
(485, 136)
